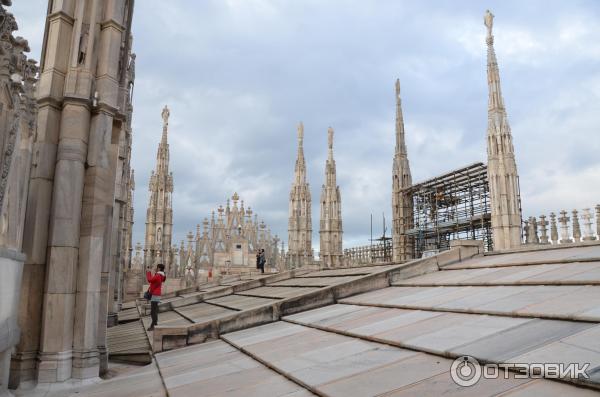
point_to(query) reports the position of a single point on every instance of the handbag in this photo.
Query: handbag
(147, 295)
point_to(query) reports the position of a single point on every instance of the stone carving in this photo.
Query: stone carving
(159, 215)
(137, 263)
(531, 232)
(165, 116)
(131, 69)
(588, 233)
(543, 223)
(83, 43)
(564, 228)
(330, 229)
(300, 251)
(402, 202)
(502, 168)
(231, 240)
(576, 227)
(488, 21)
(553, 228)
(598, 221)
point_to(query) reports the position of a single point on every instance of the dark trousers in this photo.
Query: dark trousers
(154, 313)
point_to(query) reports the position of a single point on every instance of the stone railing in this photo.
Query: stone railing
(368, 254)
(566, 228)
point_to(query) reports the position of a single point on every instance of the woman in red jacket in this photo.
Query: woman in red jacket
(155, 282)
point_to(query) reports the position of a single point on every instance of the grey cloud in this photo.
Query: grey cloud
(239, 75)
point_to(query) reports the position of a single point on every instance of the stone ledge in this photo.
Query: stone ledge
(544, 247)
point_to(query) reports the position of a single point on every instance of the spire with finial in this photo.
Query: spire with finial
(402, 211)
(330, 230)
(299, 222)
(502, 168)
(159, 216)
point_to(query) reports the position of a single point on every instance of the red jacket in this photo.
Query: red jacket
(155, 282)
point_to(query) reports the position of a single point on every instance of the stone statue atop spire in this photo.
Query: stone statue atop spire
(488, 21)
(300, 133)
(402, 205)
(330, 231)
(502, 168)
(165, 116)
(299, 223)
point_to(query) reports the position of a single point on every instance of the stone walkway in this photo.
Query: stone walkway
(399, 340)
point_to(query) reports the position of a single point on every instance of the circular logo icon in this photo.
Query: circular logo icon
(465, 371)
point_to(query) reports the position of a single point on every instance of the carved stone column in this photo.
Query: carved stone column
(544, 229)
(553, 228)
(564, 228)
(588, 233)
(576, 227)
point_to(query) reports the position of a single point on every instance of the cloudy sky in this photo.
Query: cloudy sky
(238, 75)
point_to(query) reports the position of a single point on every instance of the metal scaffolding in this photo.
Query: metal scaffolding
(452, 206)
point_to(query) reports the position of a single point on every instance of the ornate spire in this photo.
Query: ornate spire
(400, 142)
(331, 215)
(495, 101)
(502, 168)
(402, 205)
(159, 215)
(299, 223)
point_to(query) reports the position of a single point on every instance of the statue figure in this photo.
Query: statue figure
(165, 116)
(488, 20)
(131, 69)
(300, 132)
(330, 137)
(137, 263)
(83, 43)
(189, 276)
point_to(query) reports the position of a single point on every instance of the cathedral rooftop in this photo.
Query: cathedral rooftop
(399, 338)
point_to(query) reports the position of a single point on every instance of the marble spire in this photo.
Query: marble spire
(300, 224)
(330, 227)
(502, 168)
(402, 206)
(159, 215)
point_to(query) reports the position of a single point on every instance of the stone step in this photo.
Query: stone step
(218, 369)
(578, 273)
(578, 303)
(559, 254)
(330, 363)
(490, 339)
(128, 343)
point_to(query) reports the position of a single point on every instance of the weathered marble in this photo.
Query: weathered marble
(159, 215)
(402, 202)
(300, 252)
(330, 225)
(502, 167)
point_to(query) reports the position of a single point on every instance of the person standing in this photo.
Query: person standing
(155, 280)
(262, 260)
